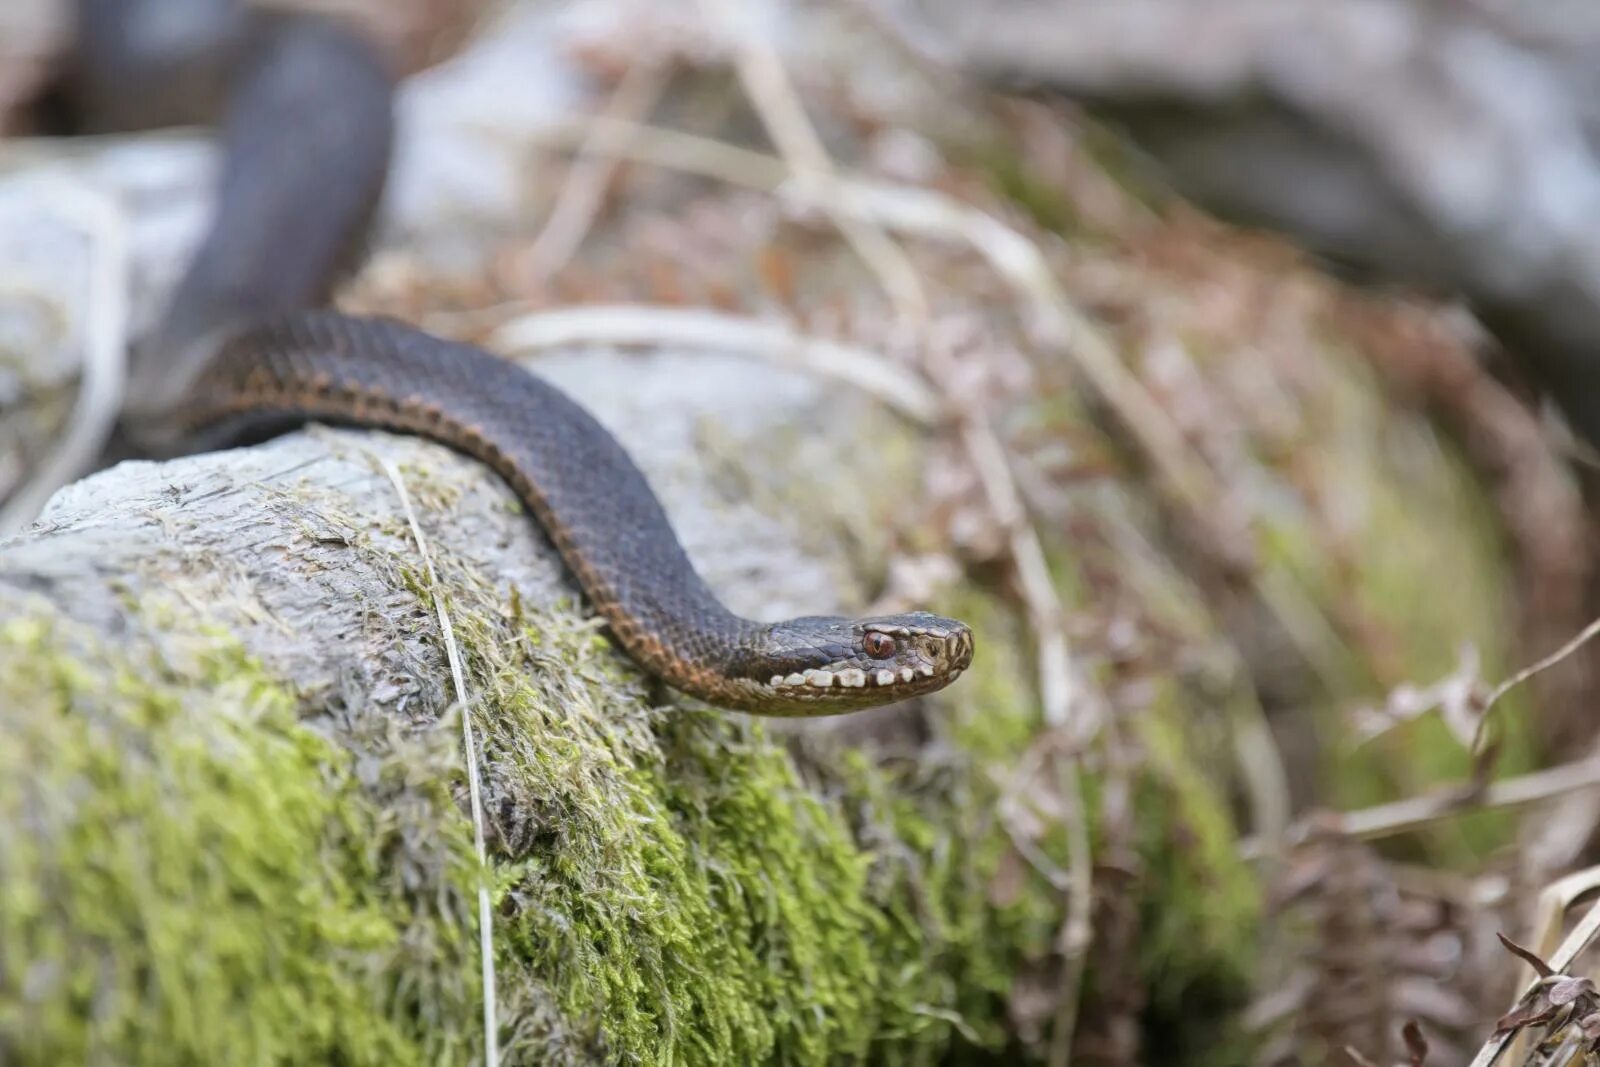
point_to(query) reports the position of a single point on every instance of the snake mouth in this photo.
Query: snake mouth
(926, 658)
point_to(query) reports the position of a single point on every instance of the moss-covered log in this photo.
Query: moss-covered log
(231, 785)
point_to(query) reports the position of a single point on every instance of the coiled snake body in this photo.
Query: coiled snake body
(307, 135)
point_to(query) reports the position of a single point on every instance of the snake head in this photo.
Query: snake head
(822, 665)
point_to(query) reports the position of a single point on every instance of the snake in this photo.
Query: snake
(247, 349)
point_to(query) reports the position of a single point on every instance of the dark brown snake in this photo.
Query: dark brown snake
(307, 136)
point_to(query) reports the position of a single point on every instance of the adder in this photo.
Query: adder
(247, 348)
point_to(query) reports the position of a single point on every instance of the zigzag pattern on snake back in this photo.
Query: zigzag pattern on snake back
(308, 142)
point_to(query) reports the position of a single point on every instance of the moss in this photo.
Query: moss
(1201, 912)
(1197, 902)
(700, 898)
(671, 885)
(1397, 544)
(679, 891)
(200, 876)
(186, 875)
(204, 877)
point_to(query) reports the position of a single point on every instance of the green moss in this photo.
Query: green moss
(1201, 913)
(1197, 902)
(683, 897)
(697, 898)
(185, 874)
(1414, 571)
(672, 885)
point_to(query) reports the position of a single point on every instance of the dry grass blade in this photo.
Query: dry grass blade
(1582, 638)
(1057, 323)
(1385, 820)
(629, 325)
(1077, 931)
(1554, 902)
(670, 149)
(1412, 813)
(469, 746)
(590, 173)
(767, 84)
(1262, 774)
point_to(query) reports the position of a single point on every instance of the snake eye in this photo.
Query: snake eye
(878, 646)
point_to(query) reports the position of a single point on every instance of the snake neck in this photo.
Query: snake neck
(703, 654)
(666, 618)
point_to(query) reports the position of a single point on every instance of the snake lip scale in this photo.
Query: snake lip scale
(309, 131)
(912, 654)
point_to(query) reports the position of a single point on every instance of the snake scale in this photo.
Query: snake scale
(245, 350)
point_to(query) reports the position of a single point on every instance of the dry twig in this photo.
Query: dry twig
(591, 171)
(767, 84)
(672, 150)
(1466, 703)
(1550, 915)
(696, 329)
(1386, 820)
(1582, 638)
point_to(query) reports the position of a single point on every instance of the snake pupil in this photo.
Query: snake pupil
(879, 646)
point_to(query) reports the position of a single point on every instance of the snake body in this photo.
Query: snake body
(307, 147)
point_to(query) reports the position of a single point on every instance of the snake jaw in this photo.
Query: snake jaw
(822, 666)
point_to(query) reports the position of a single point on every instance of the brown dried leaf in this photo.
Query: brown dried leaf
(1540, 967)
(1567, 990)
(1536, 1010)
